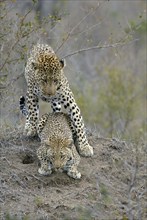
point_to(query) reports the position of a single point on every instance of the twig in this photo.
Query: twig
(17, 34)
(7, 12)
(35, 177)
(70, 33)
(88, 29)
(4, 158)
(6, 60)
(11, 165)
(99, 47)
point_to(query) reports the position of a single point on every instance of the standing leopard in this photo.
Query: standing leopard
(46, 81)
(57, 151)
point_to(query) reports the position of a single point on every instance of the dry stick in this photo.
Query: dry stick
(13, 46)
(70, 33)
(23, 171)
(14, 80)
(88, 29)
(7, 12)
(6, 60)
(35, 177)
(99, 47)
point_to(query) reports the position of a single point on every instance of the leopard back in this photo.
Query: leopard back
(57, 143)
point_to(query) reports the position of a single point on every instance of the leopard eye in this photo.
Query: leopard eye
(62, 156)
(55, 81)
(70, 159)
(44, 81)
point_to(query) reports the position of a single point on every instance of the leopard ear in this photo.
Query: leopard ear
(63, 63)
(35, 65)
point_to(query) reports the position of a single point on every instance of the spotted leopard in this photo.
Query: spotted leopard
(57, 151)
(46, 81)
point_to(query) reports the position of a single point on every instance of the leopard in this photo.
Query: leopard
(46, 81)
(57, 151)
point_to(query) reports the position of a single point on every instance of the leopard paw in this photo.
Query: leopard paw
(44, 172)
(30, 132)
(86, 151)
(75, 175)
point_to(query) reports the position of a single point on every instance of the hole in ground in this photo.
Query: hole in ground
(28, 159)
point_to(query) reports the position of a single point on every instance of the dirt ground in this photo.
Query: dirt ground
(112, 186)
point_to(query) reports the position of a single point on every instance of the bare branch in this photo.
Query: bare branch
(100, 47)
(14, 80)
(6, 60)
(18, 39)
(7, 12)
(88, 29)
(77, 25)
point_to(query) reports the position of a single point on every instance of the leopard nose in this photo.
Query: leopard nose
(51, 90)
(51, 93)
(58, 170)
(57, 167)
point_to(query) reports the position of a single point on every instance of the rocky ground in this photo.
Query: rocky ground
(112, 186)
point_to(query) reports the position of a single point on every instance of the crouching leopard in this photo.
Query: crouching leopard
(57, 151)
(46, 80)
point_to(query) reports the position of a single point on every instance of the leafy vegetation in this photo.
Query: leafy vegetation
(116, 103)
(109, 85)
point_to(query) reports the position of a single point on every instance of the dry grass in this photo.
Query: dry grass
(113, 183)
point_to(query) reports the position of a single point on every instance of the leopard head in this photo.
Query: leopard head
(48, 70)
(59, 153)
